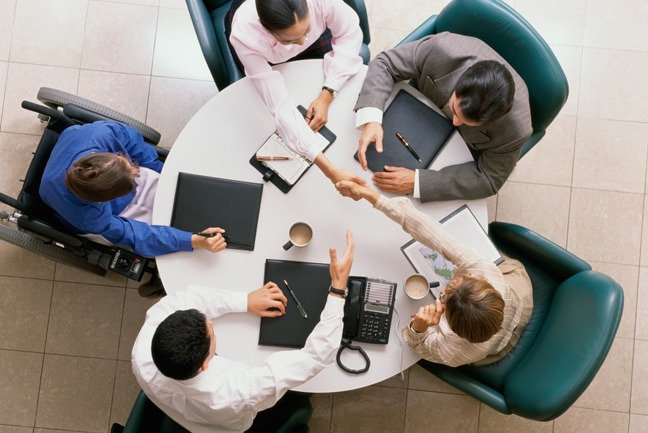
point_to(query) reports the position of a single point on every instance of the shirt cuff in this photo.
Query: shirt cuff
(315, 149)
(417, 185)
(368, 114)
(412, 337)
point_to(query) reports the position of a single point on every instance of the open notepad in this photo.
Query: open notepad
(463, 225)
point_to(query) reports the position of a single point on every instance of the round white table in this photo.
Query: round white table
(218, 141)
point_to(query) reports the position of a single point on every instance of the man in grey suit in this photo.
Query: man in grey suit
(486, 99)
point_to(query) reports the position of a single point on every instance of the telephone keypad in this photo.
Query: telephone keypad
(374, 328)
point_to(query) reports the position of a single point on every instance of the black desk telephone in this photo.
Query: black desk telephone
(368, 310)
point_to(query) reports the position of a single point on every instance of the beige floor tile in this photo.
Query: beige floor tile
(396, 381)
(644, 236)
(322, 408)
(135, 309)
(139, 2)
(541, 208)
(639, 397)
(4, 67)
(178, 4)
(570, 61)
(79, 386)
(85, 320)
(75, 275)
(603, 226)
(611, 155)
(641, 327)
(177, 52)
(15, 429)
(491, 421)
(558, 22)
(131, 32)
(20, 374)
(627, 277)
(173, 102)
(18, 262)
(638, 424)
(491, 205)
(49, 33)
(551, 161)
(386, 39)
(126, 93)
(422, 380)
(610, 389)
(24, 309)
(126, 391)
(7, 9)
(427, 411)
(48, 430)
(15, 156)
(23, 82)
(621, 27)
(383, 13)
(591, 421)
(612, 86)
(369, 410)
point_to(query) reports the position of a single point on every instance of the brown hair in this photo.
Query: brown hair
(100, 177)
(474, 310)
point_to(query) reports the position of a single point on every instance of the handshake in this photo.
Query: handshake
(357, 190)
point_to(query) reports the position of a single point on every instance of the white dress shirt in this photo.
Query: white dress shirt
(255, 47)
(227, 395)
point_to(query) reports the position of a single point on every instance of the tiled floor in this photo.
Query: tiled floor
(65, 335)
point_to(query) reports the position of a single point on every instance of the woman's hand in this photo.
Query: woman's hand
(317, 113)
(427, 316)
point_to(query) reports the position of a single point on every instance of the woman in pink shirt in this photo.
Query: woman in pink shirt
(267, 32)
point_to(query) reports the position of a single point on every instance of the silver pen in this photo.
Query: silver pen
(299, 305)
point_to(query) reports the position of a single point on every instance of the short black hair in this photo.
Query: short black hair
(277, 15)
(180, 344)
(485, 91)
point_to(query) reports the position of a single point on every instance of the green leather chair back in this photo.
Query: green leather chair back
(208, 18)
(575, 317)
(508, 33)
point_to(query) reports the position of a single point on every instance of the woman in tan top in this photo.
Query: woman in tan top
(483, 309)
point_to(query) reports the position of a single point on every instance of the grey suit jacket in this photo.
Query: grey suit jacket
(434, 65)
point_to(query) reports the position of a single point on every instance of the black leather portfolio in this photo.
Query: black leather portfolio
(285, 181)
(425, 130)
(309, 282)
(204, 201)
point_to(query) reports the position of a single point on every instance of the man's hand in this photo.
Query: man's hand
(427, 316)
(214, 244)
(395, 179)
(372, 132)
(340, 269)
(268, 301)
(357, 191)
(317, 113)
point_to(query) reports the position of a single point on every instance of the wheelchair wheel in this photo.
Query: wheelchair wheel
(57, 98)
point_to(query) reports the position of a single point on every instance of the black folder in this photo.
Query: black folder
(204, 201)
(270, 175)
(310, 282)
(425, 130)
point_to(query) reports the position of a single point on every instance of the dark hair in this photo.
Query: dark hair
(485, 91)
(474, 310)
(180, 344)
(100, 177)
(277, 15)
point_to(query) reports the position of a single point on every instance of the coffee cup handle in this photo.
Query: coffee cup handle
(434, 284)
(288, 245)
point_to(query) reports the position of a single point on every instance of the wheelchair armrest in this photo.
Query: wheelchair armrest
(426, 28)
(39, 228)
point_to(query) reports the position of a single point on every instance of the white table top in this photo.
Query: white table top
(218, 141)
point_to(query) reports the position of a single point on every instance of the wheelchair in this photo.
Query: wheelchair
(30, 224)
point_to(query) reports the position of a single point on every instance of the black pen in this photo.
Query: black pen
(406, 144)
(212, 235)
(299, 305)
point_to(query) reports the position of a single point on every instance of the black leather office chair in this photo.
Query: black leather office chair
(208, 17)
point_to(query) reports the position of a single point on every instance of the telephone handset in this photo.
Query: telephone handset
(368, 310)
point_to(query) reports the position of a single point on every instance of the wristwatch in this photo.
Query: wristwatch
(331, 91)
(342, 292)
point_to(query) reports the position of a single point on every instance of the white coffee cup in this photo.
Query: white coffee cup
(300, 235)
(417, 286)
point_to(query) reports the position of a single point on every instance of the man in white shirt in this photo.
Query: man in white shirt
(175, 362)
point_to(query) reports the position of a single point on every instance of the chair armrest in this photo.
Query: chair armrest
(359, 7)
(428, 27)
(556, 260)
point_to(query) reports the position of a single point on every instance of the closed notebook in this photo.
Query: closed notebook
(204, 201)
(425, 130)
(310, 282)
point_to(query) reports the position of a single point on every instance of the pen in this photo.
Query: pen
(406, 144)
(299, 305)
(274, 158)
(211, 235)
